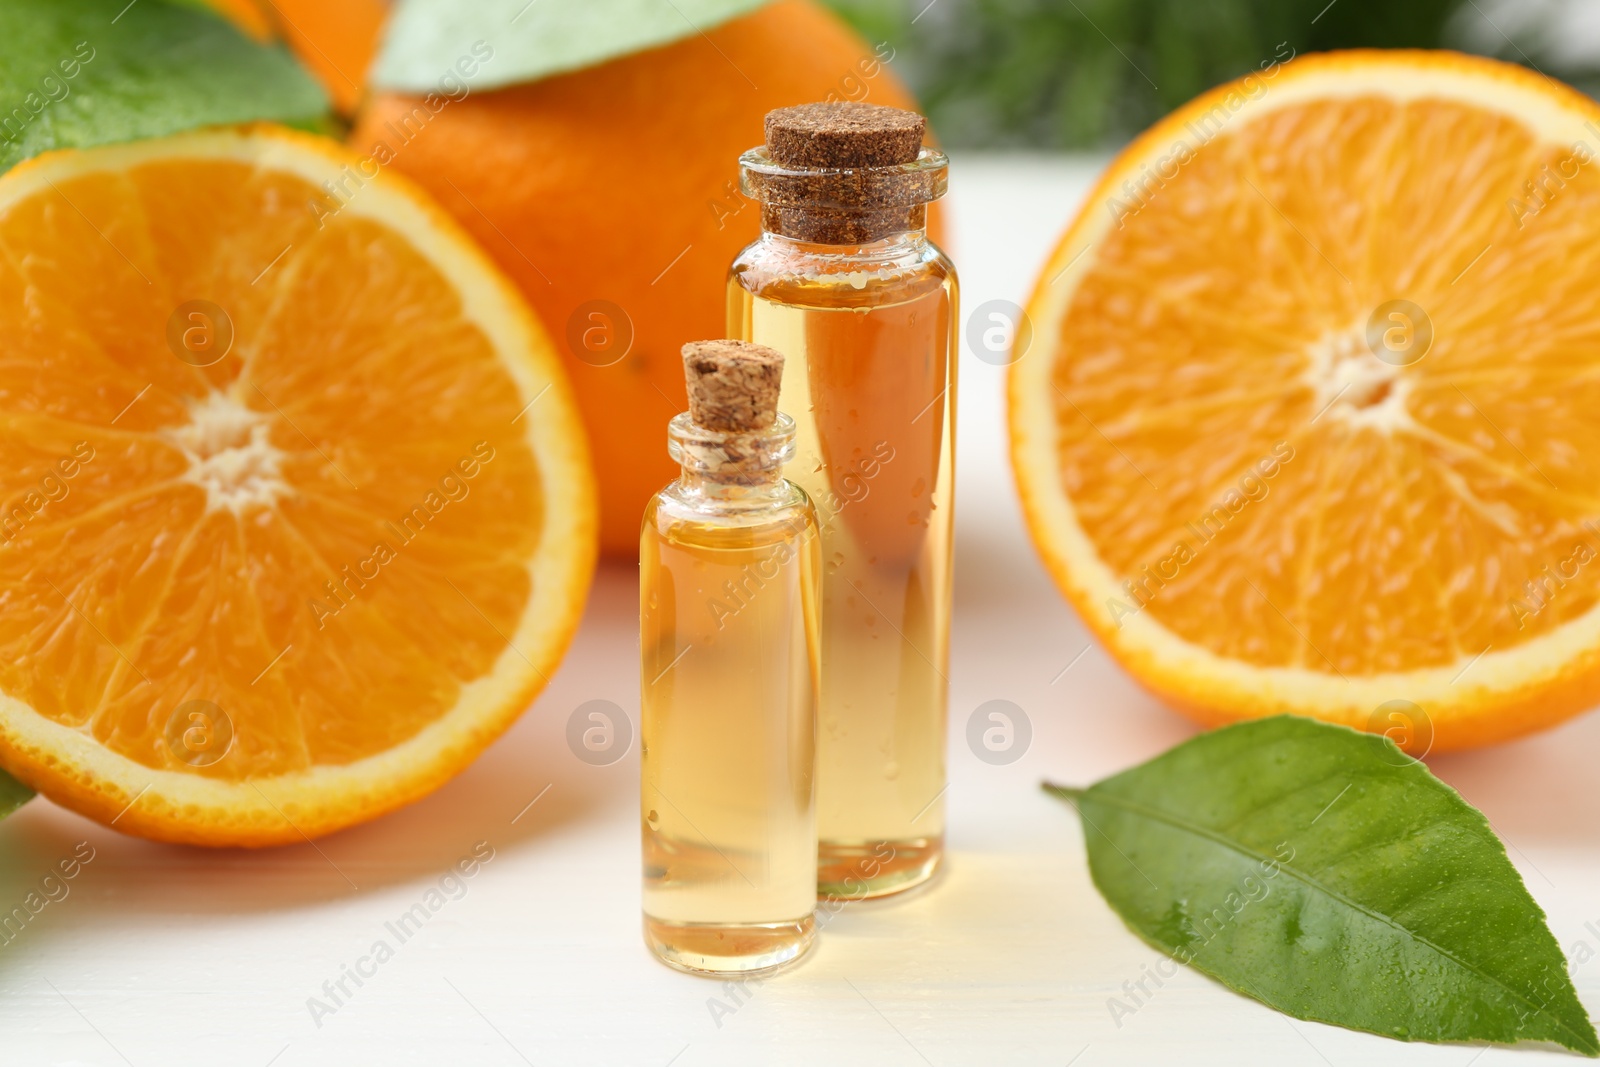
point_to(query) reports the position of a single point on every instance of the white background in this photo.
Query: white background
(164, 955)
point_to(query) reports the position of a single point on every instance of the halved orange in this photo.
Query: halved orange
(295, 509)
(1309, 420)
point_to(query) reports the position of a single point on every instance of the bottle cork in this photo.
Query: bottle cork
(733, 385)
(842, 173)
(847, 134)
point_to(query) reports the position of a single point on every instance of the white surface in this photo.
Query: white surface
(164, 955)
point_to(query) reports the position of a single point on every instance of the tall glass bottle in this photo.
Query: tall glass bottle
(845, 282)
(728, 623)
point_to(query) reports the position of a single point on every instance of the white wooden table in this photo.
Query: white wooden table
(162, 955)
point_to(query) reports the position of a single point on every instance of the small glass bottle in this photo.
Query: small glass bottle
(846, 283)
(728, 602)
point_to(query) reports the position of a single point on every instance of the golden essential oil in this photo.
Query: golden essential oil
(863, 306)
(728, 646)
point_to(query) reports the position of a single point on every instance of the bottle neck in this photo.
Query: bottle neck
(731, 471)
(696, 484)
(891, 246)
(838, 229)
(843, 206)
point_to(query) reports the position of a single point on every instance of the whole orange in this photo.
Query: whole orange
(610, 195)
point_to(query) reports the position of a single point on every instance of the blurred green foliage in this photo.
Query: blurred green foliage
(1088, 73)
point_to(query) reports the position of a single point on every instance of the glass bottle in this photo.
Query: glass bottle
(845, 282)
(728, 625)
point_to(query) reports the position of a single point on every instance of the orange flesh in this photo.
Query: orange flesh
(1415, 506)
(141, 588)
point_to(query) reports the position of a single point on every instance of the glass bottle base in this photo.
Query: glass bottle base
(747, 949)
(866, 870)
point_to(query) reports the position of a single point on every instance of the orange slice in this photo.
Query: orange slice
(1308, 424)
(297, 515)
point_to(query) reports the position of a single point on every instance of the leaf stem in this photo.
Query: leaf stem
(1065, 792)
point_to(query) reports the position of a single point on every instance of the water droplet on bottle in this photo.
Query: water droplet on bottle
(891, 770)
(653, 819)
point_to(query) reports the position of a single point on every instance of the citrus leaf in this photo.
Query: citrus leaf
(13, 794)
(1327, 874)
(75, 73)
(531, 39)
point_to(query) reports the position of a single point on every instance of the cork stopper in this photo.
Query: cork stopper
(843, 174)
(847, 134)
(733, 385)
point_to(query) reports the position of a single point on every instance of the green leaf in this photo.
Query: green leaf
(13, 794)
(1327, 874)
(530, 39)
(75, 73)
